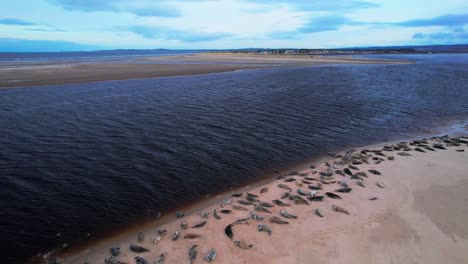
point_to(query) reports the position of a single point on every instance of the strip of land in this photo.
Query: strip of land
(64, 72)
(398, 203)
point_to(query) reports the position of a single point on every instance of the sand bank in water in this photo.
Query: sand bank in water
(419, 216)
(63, 72)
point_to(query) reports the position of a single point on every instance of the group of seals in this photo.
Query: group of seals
(344, 166)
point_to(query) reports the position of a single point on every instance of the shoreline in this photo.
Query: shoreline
(190, 210)
(69, 72)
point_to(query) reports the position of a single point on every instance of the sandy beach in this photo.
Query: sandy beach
(404, 203)
(63, 72)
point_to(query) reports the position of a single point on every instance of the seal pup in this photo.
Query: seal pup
(256, 217)
(161, 258)
(138, 249)
(225, 211)
(191, 236)
(339, 209)
(240, 208)
(228, 231)
(264, 228)
(380, 185)
(284, 186)
(175, 236)
(216, 215)
(287, 215)
(318, 212)
(192, 254)
(264, 190)
(184, 225)
(202, 223)
(261, 209)
(242, 244)
(140, 260)
(344, 190)
(277, 220)
(280, 203)
(375, 172)
(211, 255)
(332, 195)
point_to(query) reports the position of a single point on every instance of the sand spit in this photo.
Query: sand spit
(63, 72)
(398, 203)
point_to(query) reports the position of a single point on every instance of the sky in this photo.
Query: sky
(70, 25)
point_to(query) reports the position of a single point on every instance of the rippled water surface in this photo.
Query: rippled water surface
(77, 158)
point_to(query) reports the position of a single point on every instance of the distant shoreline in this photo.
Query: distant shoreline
(67, 72)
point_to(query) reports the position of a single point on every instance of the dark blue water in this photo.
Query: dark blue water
(86, 55)
(86, 157)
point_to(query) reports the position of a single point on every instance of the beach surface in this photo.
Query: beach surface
(411, 207)
(63, 72)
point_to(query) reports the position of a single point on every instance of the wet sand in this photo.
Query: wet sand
(63, 72)
(419, 216)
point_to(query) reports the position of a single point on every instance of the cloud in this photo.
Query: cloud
(445, 20)
(448, 36)
(15, 21)
(27, 45)
(173, 34)
(45, 30)
(321, 5)
(136, 7)
(326, 23)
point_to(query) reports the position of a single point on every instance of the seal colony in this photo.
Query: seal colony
(316, 202)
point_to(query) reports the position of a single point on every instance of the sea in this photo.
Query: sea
(89, 158)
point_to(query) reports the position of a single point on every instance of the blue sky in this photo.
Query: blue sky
(54, 25)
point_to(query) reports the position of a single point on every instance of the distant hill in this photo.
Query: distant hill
(434, 48)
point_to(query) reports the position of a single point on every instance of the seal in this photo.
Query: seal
(285, 195)
(265, 204)
(175, 236)
(211, 255)
(244, 202)
(225, 202)
(375, 172)
(179, 214)
(243, 245)
(202, 223)
(263, 190)
(191, 236)
(225, 211)
(298, 199)
(289, 180)
(140, 237)
(192, 254)
(316, 198)
(332, 195)
(339, 209)
(264, 228)
(287, 215)
(138, 249)
(261, 209)
(344, 190)
(348, 171)
(228, 231)
(252, 199)
(205, 214)
(236, 195)
(280, 203)
(216, 215)
(361, 184)
(256, 217)
(184, 225)
(284, 186)
(353, 167)
(115, 251)
(277, 220)
(318, 212)
(312, 187)
(161, 258)
(242, 221)
(373, 198)
(380, 185)
(240, 208)
(419, 150)
(339, 172)
(252, 195)
(140, 260)
(301, 192)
